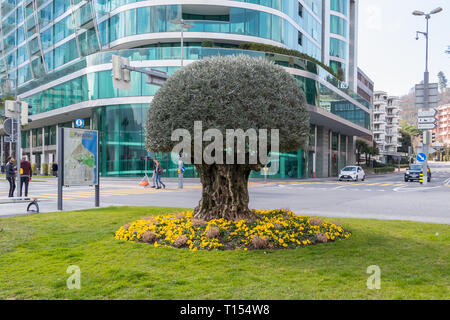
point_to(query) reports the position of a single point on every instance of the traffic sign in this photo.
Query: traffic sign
(426, 112)
(433, 95)
(9, 125)
(426, 120)
(12, 139)
(421, 157)
(79, 123)
(426, 126)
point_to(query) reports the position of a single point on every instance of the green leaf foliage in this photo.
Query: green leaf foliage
(230, 92)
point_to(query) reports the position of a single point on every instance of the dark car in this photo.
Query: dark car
(413, 173)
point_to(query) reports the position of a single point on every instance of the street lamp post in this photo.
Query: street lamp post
(426, 82)
(18, 138)
(183, 25)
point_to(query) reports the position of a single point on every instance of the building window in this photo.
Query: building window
(300, 10)
(300, 38)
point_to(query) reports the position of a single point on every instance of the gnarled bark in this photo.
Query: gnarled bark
(224, 192)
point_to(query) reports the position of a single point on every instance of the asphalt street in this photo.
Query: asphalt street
(381, 197)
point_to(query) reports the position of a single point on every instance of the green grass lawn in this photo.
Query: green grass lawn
(36, 250)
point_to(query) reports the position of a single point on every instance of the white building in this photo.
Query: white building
(386, 115)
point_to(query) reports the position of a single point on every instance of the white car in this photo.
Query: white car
(354, 173)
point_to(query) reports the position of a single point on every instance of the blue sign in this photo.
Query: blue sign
(79, 123)
(421, 157)
(182, 169)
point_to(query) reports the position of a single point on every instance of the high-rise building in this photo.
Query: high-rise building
(58, 52)
(386, 115)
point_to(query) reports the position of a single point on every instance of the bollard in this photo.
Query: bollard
(421, 178)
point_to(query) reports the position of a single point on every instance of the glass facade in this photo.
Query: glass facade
(53, 33)
(45, 40)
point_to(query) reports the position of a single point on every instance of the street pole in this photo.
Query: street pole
(426, 85)
(18, 150)
(426, 82)
(60, 171)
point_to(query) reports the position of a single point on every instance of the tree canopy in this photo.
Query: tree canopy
(228, 92)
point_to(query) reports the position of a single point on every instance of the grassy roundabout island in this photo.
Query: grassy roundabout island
(273, 229)
(37, 250)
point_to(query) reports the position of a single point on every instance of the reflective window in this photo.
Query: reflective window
(338, 48)
(340, 6)
(338, 26)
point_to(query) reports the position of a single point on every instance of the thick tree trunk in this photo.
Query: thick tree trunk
(224, 192)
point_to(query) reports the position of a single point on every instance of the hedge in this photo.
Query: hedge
(384, 170)
(274, 49)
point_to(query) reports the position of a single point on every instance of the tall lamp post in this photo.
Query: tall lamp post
(183, 25)
(426, 82)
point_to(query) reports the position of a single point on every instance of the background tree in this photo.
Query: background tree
(442, 81)
(372, 151)
(361, 148)
(228, 93)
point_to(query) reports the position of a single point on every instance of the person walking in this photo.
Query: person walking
(159, 172)
(55, 169)
(10, 176)
(25, 175)
(154, 174)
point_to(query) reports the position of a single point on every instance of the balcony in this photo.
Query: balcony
(379, 111)
(379, 120)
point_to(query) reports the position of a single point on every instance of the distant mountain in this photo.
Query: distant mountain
(408, 111)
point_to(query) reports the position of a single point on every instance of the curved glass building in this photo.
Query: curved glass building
(59, 53)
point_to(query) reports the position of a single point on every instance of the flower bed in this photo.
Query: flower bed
(274, 229)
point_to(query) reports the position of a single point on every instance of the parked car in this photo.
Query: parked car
(352, 173)
(413, 173)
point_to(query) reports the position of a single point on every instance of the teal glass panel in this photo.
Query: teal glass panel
(265, 25)
(22, 54)
(88, 42)
(157, 19)
(277, 28)
(104, 85)
(252, 23)
(338, 26)
(173, 13)
(237, 20)
(47, 38)
(143, 20)
(338, 48)
(38, 67)
(45, 16)
(63, 29)
(340, 6)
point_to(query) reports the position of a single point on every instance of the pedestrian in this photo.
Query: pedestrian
(25, 175)
(55, 169)
(10, 175)
(159, 172)
(154, 174)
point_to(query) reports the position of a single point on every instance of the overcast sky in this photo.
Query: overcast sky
(388, 52)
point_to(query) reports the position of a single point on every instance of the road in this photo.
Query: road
(380, 197)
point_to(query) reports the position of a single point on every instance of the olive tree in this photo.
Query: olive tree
(231, 92)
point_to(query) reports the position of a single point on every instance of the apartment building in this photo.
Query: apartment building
(386, 115)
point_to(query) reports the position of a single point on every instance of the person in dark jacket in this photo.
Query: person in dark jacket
(25, 177)
(10, 175)
(55, 169)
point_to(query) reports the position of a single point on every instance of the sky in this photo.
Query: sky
(389, 53)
